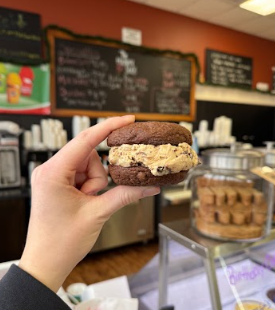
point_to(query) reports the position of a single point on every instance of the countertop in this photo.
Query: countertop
(15, 193)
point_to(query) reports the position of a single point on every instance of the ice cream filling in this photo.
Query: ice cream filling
(160, 159)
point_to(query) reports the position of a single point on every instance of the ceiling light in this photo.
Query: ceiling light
(262, 7)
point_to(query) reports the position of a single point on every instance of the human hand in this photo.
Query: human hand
(66, 215)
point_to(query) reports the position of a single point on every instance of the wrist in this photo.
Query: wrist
(43, 272)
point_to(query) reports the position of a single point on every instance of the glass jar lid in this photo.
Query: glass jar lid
(233, 159)
(270, 154)
(270, 159)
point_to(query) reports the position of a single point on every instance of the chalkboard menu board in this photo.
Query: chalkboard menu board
(20, 36)
(98, 79)
(228, 70)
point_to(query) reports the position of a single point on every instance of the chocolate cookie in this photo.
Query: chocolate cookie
(154, 133)
(150, 154)
(141, 176)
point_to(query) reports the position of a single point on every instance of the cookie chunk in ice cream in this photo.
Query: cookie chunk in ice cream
(150, 153)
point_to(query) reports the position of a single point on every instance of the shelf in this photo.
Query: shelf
(39, 151)
(15, 193)
(182, 232)
(233, 95)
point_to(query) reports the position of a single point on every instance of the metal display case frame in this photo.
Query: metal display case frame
(208, 249)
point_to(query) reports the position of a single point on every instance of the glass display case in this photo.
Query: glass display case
(214, 274)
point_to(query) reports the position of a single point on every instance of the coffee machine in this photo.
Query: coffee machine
(10, 175)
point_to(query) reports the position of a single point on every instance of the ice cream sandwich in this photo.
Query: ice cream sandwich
(150, 153)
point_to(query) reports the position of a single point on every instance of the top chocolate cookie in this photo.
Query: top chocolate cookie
(154, 133)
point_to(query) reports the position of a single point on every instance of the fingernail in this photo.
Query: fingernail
(151, 191)
(132, 117)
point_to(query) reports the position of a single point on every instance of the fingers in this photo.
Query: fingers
(96, 177)
(121, 196)
(72, 155)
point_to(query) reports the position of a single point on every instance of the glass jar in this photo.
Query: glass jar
(228, 201)
(270, 162)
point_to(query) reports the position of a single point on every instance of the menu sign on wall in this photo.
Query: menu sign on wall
(20, 36)
(101, 80)
(228, 70)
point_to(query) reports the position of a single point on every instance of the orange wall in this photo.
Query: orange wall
(160, 29)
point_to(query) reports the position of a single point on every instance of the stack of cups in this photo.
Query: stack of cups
(221, 134)
(54, 136)
(202, 134)
(103, 145)
(49, 135)
(80, 123)
(203, 138)
(27, 139)
(222, 130)
(36, 137)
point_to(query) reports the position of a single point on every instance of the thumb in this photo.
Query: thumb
(121, 196)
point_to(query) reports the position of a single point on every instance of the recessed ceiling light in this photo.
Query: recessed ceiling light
(262, 7)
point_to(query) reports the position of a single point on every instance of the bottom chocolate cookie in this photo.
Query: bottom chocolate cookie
(141, 176)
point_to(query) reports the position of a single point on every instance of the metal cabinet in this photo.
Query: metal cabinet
(133, 223)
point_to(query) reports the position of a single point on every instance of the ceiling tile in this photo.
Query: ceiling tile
(206, 9)
(257, 25)
(171, 5)
(225, 13)
(234, 2)
(269, 37)
(234, 17)
(140, 1)
(270, 18)
(269, 34)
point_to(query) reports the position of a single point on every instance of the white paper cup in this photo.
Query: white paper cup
(36, 135)
(27, 139)
(76, 290)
